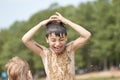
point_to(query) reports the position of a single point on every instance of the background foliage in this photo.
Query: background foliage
(100, 17)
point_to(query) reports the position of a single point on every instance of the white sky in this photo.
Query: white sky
(12, 10)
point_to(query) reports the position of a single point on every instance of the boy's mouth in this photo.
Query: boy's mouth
(58, 48)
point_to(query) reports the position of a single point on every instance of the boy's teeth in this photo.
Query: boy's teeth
(58, 48)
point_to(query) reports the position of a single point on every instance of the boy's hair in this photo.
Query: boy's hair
(55, 27)
(17, 69)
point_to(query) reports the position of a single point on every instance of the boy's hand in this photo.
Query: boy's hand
(56, 17)
(44, 22)
(59, 17)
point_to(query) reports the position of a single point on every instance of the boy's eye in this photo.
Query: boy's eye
(53, 40)
(61, 39)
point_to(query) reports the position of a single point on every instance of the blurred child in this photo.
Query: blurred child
(18, 69)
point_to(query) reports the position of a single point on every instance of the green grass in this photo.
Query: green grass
(100, 78)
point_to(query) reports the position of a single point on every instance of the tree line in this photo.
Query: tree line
(100, 17)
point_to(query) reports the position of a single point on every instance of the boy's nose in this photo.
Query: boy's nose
(57, 43)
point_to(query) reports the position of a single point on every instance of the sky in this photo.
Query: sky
(19, 10)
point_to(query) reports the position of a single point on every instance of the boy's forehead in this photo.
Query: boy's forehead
(54, 35)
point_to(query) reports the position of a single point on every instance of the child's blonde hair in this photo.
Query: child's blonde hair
(17, 69)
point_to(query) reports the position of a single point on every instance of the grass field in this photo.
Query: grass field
(111, 78)
(103, 75)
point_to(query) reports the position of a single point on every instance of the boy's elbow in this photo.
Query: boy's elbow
(24, 39)
(88, 35)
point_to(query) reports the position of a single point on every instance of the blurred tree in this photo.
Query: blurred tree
(100, 17)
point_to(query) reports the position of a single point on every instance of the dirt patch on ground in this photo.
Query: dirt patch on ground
(103, 74)
(112, 73)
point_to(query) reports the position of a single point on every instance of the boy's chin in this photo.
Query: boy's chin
(59, 52)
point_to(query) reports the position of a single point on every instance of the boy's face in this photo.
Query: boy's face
(57, 43)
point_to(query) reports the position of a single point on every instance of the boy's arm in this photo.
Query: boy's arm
(31, 44)
(84, 34)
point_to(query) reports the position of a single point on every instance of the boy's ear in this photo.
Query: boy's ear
(29, 75)
(66, 38)
(47, 40)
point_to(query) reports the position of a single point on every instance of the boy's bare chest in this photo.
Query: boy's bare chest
(59, 66)
(59, 61)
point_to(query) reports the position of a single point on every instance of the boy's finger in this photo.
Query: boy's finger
(58, 14)
(53, 16)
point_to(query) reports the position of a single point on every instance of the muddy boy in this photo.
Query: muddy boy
(58, 59)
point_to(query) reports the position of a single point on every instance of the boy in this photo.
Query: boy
(18, 69)
(58, 60)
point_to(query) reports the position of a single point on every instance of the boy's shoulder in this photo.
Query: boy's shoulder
(69, 46)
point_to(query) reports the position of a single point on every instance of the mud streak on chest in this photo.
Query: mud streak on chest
(58, 66)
